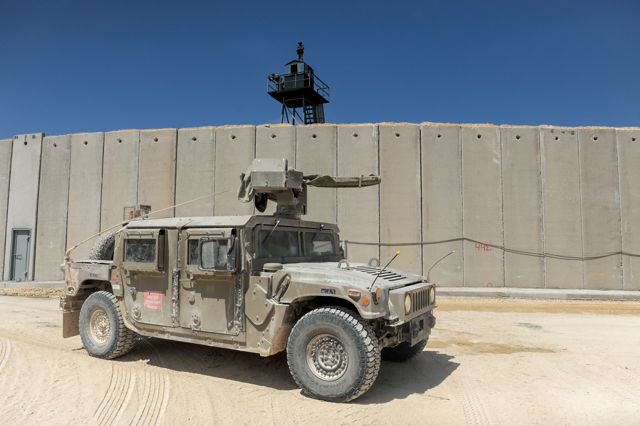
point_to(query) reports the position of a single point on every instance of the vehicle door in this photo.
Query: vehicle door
(146, 280)
(208, 280)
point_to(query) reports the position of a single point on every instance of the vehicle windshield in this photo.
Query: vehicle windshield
(292, 245)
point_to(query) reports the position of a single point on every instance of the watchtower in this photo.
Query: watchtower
(299, 89)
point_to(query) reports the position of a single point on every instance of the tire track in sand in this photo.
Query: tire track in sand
(473, 409)
(121, 384)
(155, 393)
(5, 352)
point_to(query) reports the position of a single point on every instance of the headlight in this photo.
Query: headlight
(407, 303)
(432, 295)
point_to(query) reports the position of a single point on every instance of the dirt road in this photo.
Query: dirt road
(488, 362)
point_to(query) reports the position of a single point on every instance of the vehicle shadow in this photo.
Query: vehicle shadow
(218, 363)
(395, 381)
(398, 380)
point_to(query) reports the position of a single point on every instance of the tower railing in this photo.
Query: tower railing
(298, 81)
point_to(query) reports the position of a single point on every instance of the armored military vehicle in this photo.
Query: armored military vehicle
(260, 283)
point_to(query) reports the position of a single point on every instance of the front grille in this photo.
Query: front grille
(419, 299)
(386, 275)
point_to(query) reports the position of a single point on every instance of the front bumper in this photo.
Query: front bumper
(413, 331)
(420, 328)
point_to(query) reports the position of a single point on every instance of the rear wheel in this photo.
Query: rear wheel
(403, 352)
(102, 328)
(333, 355)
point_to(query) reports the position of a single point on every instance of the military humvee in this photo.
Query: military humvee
(261, 283)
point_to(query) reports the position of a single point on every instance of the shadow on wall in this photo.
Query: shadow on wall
(396, 380)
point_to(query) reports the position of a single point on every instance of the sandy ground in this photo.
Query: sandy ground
(488, 362)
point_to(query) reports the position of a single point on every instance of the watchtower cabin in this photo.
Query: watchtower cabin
(299, 90)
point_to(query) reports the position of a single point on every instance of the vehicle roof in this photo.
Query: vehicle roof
(223, 221)
(191, 222)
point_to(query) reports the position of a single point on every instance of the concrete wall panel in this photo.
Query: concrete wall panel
(5, 174)
(85, 191)
(400, 203)
(120, 175)
(561, 204)
(23, 195)
(157, 170)
(442, 203)
(629, 160)
(194, 171)
(276, 141)
(482, 204)
(358, 208)
(235, 148)
(522, 208)
(316, 154)
(53, 197)
(600, 207)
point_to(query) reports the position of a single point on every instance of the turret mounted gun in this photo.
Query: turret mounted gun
(272, 179)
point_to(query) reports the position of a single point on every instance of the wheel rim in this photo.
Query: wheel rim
(99, 325)
(327, 357)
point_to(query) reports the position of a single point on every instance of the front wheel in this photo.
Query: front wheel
(333, 355)
(403, 352)
(102, 328)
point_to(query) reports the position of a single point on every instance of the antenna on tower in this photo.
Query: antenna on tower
(299, 90)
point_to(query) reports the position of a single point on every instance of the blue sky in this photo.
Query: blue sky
(70, 66)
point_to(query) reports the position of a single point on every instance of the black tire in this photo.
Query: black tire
(337, 338)
(403, 352)
(103, 247)
(102, 329)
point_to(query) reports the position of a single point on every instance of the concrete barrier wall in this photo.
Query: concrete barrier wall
(442, 203)
(400, 209)
(5, 174)
(195, 171)
(235, 148)
(157, 171)
(359, 209)
(522, 206)
(482, 206)
(85, 191)
(316, 153)
(119, 175)
(51, 235)
(628, 142)
(519, 206)
(23, 197)
(600, 203)
(562, 214)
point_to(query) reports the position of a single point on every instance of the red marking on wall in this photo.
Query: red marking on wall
(483, 247)
(152, 300)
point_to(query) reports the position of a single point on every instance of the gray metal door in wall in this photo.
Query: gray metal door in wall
(20, 254)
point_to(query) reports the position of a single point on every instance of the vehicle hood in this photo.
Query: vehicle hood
(357, 275)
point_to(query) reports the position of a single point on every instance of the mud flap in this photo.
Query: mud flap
(70, 324)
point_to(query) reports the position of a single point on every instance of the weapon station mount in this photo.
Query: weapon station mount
(272, 179)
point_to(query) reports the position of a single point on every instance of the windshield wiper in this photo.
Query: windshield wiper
(271, 232)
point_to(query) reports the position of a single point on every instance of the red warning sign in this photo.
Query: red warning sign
(153, 300)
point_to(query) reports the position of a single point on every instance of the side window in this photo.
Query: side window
(217, 255)
(140, 250)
